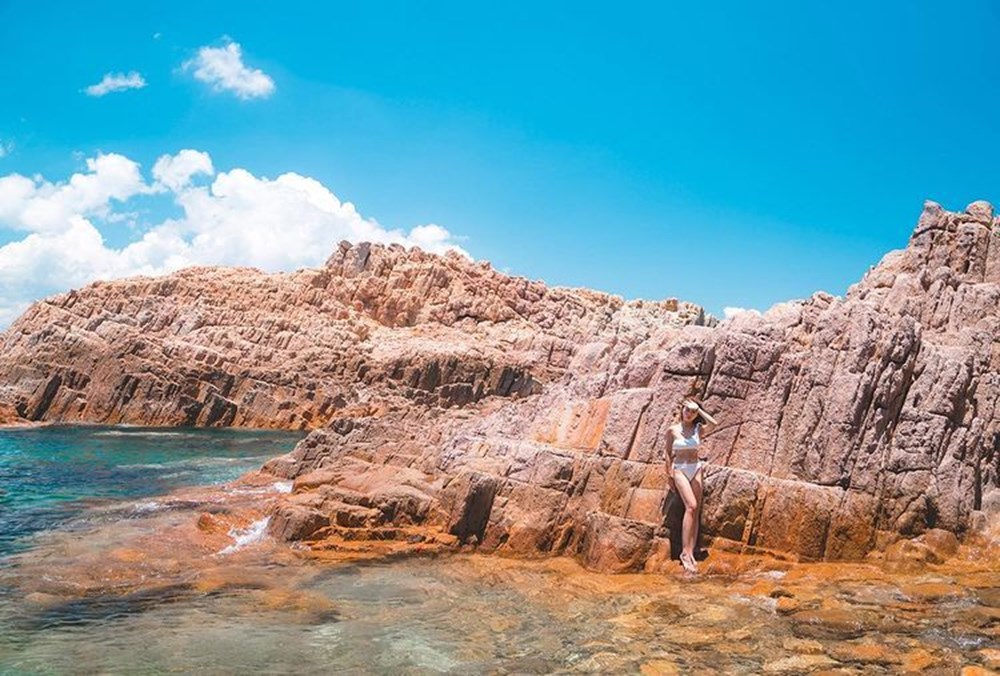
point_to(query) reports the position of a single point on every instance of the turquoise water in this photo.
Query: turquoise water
(50, 475)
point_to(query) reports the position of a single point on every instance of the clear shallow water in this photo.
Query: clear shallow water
(50, 475)
(472, 615)
(82, 594)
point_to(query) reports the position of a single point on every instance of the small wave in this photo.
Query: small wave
(243, 537)
(283, 486)
(146, 507)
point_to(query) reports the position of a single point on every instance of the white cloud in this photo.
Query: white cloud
(174, 172)
(730, 312)
(39, 206)
(224, 70)
(285, 223)
(116, 82)
(5, 148)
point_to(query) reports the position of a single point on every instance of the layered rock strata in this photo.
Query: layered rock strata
(455, 402)
(237, 347)
(846, 423)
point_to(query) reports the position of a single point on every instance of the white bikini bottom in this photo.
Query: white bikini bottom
(689, 469)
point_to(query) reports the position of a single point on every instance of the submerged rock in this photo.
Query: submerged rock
(471, 408)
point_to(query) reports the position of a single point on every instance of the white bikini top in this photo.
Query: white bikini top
(688, 442)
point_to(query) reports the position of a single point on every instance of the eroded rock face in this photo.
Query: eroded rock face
(234, 346)
(458, 402)
(846, 423)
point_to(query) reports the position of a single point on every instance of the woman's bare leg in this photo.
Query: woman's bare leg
(690, 522)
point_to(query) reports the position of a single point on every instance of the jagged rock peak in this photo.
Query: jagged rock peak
(421, 286)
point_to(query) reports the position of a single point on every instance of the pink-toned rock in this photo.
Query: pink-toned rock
(614, 544)
(532, 420)
(296, 521)
(234, 346)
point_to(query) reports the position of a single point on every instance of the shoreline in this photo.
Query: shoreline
(216, 509)
(432, 535)
(204, 549)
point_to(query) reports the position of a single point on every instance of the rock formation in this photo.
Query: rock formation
(237, 347)
(451, 401)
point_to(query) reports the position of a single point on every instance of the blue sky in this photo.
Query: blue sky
(730, 154)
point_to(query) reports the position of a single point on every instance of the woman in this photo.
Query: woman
(685, 468)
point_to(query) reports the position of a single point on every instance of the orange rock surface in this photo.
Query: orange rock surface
(453, 403)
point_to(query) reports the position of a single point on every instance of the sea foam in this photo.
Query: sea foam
(244, 537)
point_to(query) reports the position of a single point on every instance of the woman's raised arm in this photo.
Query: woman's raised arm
(708, 418)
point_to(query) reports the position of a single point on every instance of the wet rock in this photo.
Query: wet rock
(786, 605)
(866, 653)
(659, 667)
(932, 591)
(739, 635)
(603, 662)
(831, 623)
(210, 523)
(307, 608)
(918, 660)
(231, 578)
(990, 596)
(990, 657)
(974, 670)
(530, 665)
(798, 664)
(803, 646)
(713, 615)
(693, 637)
(983, 617)
(663, 610)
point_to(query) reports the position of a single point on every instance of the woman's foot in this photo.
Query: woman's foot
(687, 560)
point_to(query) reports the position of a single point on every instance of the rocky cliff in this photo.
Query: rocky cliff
(237, 347)
(454, 402)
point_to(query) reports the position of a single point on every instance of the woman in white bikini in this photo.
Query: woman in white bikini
(685, 468)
